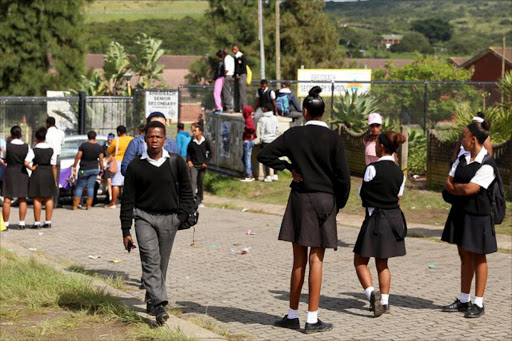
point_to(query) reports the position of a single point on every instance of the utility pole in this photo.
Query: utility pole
(262, 48)
(278, 43)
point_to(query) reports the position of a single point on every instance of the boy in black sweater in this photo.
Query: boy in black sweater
(199, 153)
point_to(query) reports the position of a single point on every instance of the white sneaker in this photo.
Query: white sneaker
(275, 178)
(247, 180)
(268, 179)
(201, 205)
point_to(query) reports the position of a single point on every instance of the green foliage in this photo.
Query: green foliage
(417, 152)
(413, 42)
(442, 98)
(144, 62)
(434, 29)
(353, 109)
(42, 46)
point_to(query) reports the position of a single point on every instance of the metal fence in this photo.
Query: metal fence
(417, 103)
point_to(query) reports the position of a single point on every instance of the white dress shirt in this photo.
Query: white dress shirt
(55, 138)
(484, 176)
(42, 145)
(229, 65)
(156, 163)
(317, 123)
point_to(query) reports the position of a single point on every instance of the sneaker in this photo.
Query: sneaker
(375, 304)
(201, 205)
(111, 206)
(317, 327)
(457, 306)
(474, 311)
(218, 112)
(268, 179)
(248, 179)
(161, 315)
(275, 177)
(285, 322)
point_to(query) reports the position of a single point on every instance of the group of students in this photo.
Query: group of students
(315, 155)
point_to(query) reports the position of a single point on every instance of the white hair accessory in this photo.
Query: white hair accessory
(478, 119)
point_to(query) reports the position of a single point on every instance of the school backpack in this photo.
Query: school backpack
(283, 104)
(496, 194)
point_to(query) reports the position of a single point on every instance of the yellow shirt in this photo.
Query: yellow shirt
(124, 141)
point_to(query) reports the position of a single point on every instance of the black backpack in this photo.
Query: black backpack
(496, 193)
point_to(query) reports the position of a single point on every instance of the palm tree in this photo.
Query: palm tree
(144, 63)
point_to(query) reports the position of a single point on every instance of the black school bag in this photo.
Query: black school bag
(496, 193)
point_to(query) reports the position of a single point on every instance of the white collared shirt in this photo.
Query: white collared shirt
(317, 123)
(156, 163)
(42, 145)
(30, 153)
(272, 93)
(229, 65)
(199, 141)
(239, 54)
(371, 172)
(484, 176)
(55, 138)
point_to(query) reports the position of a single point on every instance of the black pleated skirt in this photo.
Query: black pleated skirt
(381, 235)
(15, 184)
(472, 233)
(310, 220)
(42, 183)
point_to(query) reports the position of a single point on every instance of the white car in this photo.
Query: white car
(67, 158)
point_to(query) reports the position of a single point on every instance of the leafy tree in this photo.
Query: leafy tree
(42, 46)
(413, 42)
(144, 63)
(442, 99)
(434, 29)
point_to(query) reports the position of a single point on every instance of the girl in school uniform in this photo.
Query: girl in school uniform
(15, 183)
(384, 228)
(43, 180)
(469, 223)
(320, 187)
(459, 149)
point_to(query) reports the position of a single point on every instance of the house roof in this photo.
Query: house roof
(95, 61)
(458, 60)
(497, 51)
(392, 36)
(374, 63)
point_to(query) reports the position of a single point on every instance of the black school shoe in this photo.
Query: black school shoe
(474, 311)
(457, 306)
(161, 315)
(21, 227)
(47, 226)
(317, 327)
(385, 307)
(375, 304)
(285, 322)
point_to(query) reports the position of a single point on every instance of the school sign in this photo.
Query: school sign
(350, 80)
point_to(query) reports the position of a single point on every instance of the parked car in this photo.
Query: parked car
(67, 158)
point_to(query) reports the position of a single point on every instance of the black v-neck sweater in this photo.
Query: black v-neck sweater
(315, 152)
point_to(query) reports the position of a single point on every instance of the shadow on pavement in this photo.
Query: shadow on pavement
(228, 314)
(423, 232)
(341, 243)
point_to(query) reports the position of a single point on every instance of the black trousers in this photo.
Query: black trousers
(197, 177)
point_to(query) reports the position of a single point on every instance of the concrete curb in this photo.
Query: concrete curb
(174, 324)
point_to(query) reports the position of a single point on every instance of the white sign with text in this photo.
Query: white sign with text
(164, 101)
(351, 79)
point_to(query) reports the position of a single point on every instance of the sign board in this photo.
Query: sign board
(349, 77)
(165, 101)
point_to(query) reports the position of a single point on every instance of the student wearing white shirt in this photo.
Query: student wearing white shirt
(16, 179)
(384, 228)
(55, 139)
(459, 149)
(43, 180)
(227, 89)
(469, 224)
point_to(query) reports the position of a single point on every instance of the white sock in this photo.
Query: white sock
(479, 301)
(293, 314)
(368, 292)
(465, 298)
(312, 317)
(6, 223)
(384, 299)
(47, 221)
(22, 222)
(37, 223)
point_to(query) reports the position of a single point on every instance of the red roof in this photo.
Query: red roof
(497, 51)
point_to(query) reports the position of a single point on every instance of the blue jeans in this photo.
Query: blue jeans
(246, 158)
(86, 178)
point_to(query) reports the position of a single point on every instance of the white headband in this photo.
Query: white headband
(478, 119)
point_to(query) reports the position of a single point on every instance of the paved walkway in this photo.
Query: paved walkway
(244, 294)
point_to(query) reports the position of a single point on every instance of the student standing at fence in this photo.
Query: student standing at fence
(199, 154)
(90, 156)
(320, 187)
(248, 137)
(182, 139)
(43, 180)
(117, 150)
(384, 228)
(218, 77)
(16, 179)
(469, 223)
(240, 78)
(459, 148)
(227, 89)
(375, 127)
(268, 130)
(55, 139)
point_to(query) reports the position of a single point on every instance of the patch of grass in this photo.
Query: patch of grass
(117, 282)
(208, 324)
(40, 302)
(419, 205)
